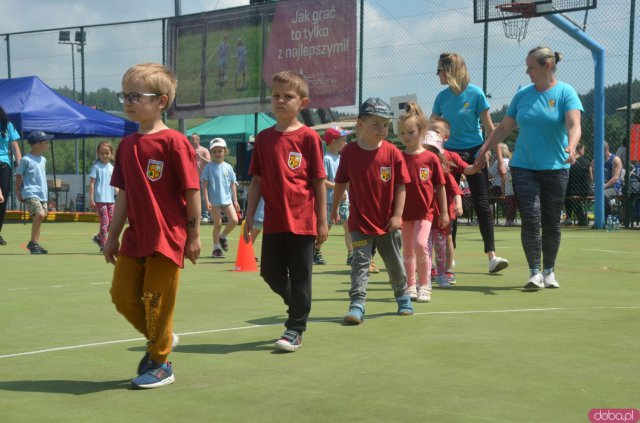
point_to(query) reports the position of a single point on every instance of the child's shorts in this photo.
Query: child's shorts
(343, 212)
(35, 206)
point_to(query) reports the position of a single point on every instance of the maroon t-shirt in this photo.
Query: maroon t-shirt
(287, 163)
(426, 173)
(154, 170)
(372, 176)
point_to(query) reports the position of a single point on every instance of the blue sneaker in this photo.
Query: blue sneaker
(290, 341)
(404, 305)
(144, 363)
(146, 358)
(354, 316)
(156, 376)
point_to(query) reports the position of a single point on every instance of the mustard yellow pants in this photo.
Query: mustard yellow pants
(144, 292)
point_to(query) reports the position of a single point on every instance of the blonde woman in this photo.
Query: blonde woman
(547, 113)
(465, 106)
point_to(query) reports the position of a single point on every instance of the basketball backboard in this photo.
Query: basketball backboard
(495, 10)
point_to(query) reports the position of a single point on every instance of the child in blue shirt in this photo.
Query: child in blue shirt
(31, 185)
(220, 194)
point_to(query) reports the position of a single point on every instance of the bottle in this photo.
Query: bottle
(609, 223)
(616, 223)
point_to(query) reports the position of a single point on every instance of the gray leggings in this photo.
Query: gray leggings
(540, 196)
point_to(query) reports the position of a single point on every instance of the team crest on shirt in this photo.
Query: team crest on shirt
(154, 169)
(385, 174)
(466, 105)
(294, 160)
(424, 173)
(551, 103)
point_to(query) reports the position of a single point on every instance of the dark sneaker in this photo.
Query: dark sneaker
(318, 259)
(36, 248)
(156, 376)
(349, 258)
(217, 253)
(96, 239)
(224, 244)
(290, 341)
(144, 364)
(2, 241)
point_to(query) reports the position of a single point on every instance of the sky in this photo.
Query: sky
(402, 39)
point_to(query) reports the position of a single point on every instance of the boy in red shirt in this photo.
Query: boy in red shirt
(156, 173)
(376, 174)
(288, 172)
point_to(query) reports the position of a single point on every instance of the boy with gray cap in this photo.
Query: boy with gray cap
(376, 174)
(31, 185)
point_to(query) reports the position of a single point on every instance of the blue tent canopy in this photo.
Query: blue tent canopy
(32, 105)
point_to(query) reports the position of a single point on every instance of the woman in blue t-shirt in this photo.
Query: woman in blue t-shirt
(465, 106)
(8, 146)
(547, 114)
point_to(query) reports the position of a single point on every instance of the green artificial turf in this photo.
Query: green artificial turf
(484, 351)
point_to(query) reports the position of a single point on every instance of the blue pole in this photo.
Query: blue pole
(597, 51)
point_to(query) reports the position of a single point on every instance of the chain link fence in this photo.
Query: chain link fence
(401, 45)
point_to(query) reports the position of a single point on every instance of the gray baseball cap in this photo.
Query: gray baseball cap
(377, 107)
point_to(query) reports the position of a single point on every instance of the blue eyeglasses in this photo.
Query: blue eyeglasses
(133, 98)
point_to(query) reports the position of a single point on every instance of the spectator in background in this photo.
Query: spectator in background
(579, 186)
(8, 147)
(202, 159)
(612, 178)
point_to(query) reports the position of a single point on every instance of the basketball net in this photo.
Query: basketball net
(516, 28)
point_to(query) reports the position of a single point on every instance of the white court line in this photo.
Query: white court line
(122, 341)
(635, 253)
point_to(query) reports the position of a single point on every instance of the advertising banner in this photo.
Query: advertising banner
(224, 60)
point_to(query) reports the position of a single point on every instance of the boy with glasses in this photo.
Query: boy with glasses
(150, 166)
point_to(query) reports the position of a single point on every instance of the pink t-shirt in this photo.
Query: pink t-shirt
(154, 170)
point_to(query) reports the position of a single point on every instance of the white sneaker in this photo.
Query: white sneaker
(424, 294)
(412, 292)
(550, 281)
(497, 264)
(535, 282)
(175, 340)
(442, 282)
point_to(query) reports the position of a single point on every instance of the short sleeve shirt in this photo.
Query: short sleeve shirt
(154, 170)
(541, 120)
(5, 141)
(34, 177)
(426, 173)
(103, 191)
(463, 113)
(372, 176)
(288, 163)
(331, 162)
(219, 177)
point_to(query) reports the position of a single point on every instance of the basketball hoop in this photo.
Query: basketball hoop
(515, 19)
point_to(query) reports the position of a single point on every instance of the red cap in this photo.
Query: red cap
(334, 133)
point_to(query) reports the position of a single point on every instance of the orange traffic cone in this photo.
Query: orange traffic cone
(245, 259)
